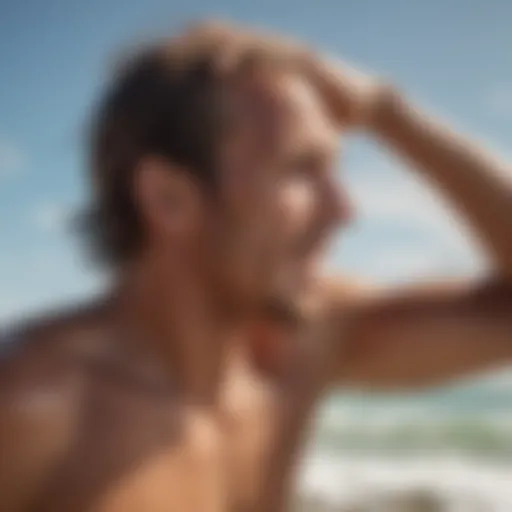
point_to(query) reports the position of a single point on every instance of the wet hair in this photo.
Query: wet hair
(167, 99)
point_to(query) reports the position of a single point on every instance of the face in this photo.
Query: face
(279, 203)
(259, 237)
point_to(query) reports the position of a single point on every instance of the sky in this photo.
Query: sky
(451, 56)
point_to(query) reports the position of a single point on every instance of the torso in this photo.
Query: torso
(140, 448)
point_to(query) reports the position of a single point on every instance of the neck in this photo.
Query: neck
(172, 318)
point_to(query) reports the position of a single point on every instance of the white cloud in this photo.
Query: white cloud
(52, 217)
(410, 262)
(396, 200)
(443, 245)
(11, 158)
(405, 201)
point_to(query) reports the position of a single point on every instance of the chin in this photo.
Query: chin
(281, 309)
(286, 300)
(284, 303)
(278, 299)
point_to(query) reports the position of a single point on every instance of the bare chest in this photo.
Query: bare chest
(135, 451)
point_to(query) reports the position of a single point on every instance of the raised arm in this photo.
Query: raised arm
(425, 335)
(474, 181)
(419, 336)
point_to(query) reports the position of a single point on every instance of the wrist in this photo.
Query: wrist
(385, 105)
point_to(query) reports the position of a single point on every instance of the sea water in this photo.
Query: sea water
(443, 451)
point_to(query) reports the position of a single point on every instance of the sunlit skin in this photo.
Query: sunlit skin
(187, 388)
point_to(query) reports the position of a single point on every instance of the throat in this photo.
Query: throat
(180, 335)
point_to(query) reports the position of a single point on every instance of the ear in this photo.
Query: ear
(168, 199)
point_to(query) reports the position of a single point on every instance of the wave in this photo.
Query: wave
(407, 428)
(427, 484)
(434, 452)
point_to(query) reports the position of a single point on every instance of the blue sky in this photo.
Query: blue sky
(453, 56)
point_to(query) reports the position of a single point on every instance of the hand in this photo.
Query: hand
(355, 99)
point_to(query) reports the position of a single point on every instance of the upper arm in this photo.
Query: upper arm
(36, 423)
(422, 335)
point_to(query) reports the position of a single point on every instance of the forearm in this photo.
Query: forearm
(426, 335)
(422, 361)
(476, 183)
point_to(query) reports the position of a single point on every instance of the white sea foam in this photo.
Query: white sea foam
(433, 484)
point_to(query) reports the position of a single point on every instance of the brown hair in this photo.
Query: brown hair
(164, 100)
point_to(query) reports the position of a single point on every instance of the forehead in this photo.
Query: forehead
(283, 113)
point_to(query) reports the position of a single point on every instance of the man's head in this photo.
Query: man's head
(215, 153)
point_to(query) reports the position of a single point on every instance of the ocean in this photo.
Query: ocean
(442, 451)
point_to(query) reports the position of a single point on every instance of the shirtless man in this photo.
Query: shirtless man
(190, 386)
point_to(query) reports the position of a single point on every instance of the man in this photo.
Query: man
(189, 388)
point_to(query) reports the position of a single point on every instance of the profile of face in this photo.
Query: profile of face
(277, 204)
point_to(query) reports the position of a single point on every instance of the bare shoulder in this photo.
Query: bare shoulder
(42, 386)
(46, 352)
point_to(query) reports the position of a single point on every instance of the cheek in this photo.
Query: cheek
(298, 203)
